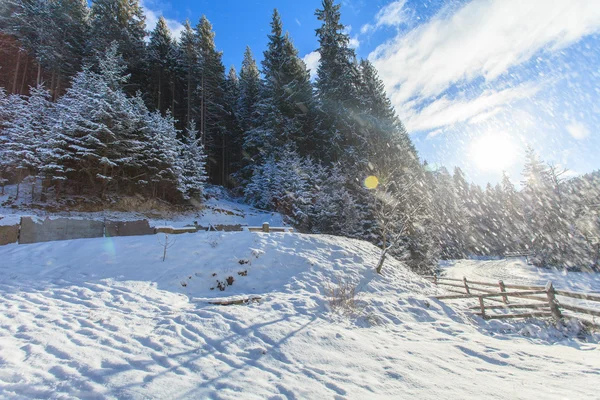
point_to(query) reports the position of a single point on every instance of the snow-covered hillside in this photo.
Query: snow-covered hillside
(219, 208)
(516, 270)
(106, 318)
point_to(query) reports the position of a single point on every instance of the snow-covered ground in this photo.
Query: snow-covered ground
(217, 209)
(106, 318)
(516, 270)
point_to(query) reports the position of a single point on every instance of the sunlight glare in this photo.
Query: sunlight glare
(371, 182)
(493, 152)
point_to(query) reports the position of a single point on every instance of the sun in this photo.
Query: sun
(493, 152)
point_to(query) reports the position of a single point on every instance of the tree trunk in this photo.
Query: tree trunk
(16, 77)
(56, 91)
(33, 181)
(189, 97)
(39, 74)
(18, 183)
(24, 76)
(159, 90)
(381, 260)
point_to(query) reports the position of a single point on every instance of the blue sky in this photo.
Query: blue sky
(474, 81)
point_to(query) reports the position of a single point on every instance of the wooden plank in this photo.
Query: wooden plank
(456, 296)
(234, 302)
(524, 287)
(580, 309)
(552, 301)
(451, 284)
(441, 278)
(515, 294)
(525, 315)
(502, 287)
(576, 295)
(466, 285)
(482, 307)
(483, 290)
(483, 283)
(512, 306)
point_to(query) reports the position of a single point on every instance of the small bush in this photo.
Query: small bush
(342, 297)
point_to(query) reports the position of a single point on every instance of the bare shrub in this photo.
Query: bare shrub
(166, 243)
(342, 297)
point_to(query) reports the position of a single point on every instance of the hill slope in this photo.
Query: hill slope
(106, 318)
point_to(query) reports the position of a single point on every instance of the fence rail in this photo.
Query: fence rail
(547, 297)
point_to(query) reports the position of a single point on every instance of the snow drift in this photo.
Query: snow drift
(106, 318)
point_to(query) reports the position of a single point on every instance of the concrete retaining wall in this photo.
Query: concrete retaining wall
(59, 229)
(34, 231)
(9, 234)
(128, 228)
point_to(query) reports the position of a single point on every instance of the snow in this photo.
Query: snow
(106, 318)
(217, 209)
(517, 271)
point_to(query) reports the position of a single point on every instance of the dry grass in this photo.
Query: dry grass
(342, 297)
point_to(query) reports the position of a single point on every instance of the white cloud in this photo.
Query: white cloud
(152, 17)
(484, 38)
(394, 14)
(578, 130)
(298, 22)
(312, 62)
(354, 42)
(444, 111)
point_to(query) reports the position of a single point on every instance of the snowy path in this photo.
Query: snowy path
(85, 319)
(516, 270)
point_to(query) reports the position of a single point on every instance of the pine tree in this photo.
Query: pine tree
(98, 124)
(287, 99)
(161, 63)
(333, 209)
(188, 71)
(211, 93)
(235, 140)
(193, 164)
(27, 136)
(68, 39)
(159, 168)
(122, 21)
(336, 86)
(251, 94)
(11, 106)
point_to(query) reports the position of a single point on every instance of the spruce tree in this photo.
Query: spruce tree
(161, 63)
(193, 164)
(287, 100)
(337, 95)
(188, 71)
(211, 95)
(27, 136)
(124, 22)
(250, 97)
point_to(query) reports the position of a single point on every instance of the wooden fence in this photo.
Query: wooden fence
(546, 298)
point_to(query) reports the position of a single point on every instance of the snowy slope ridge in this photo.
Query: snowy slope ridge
(219, 208)
(106, 318)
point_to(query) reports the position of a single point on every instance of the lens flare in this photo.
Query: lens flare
(371, 182)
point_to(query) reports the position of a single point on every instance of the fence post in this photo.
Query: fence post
(265, 227)
(482, 307)
(503, 290)
(466, 286)
(552, 301)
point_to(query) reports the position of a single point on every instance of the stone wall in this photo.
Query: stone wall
(9, 234)
(34, 231)
(58, 229)
(128, 228)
